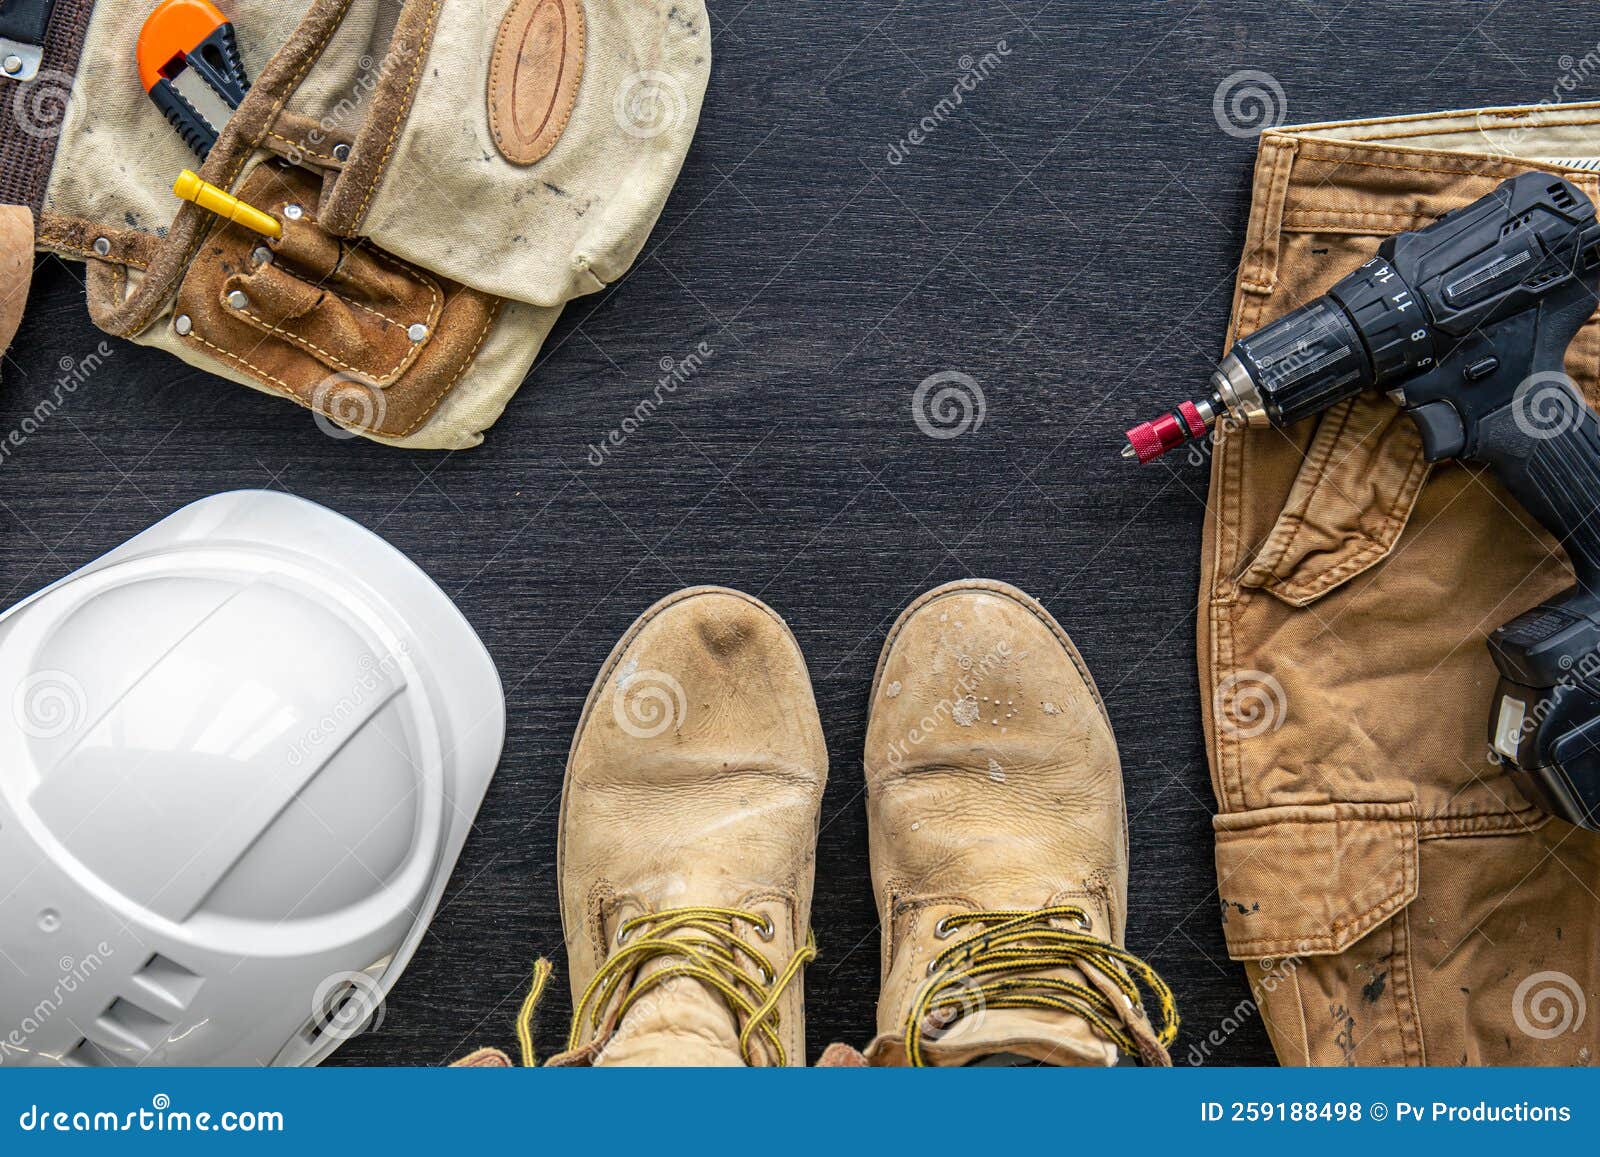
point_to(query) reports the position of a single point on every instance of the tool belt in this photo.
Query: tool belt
(447, 175)
(1394, 897)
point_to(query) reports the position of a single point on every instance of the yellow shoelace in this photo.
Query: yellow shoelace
(999, 965)
(530, 1004)
(705, 946)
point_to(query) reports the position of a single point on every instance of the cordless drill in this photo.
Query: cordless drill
(1465, 324)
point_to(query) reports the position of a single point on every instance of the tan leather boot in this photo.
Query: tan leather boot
(688, 840)
(999, 844)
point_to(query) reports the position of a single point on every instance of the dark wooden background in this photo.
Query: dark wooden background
(1067, 238)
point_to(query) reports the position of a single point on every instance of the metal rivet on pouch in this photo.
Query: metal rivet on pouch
(416, 331)
(341, 152)
(293, 212)
(182, 324)
(238, 298)
(102, 245)
(261, 255)
(12, 65)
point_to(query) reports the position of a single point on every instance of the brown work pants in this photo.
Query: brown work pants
(1395, 899)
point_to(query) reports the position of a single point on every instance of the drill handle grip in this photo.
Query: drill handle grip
(1527, 421)
(1545, 449)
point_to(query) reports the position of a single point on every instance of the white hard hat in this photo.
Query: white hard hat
(239, 755)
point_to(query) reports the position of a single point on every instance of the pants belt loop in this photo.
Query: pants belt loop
(1258, 272)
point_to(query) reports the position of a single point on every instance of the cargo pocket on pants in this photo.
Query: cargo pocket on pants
(1349, 503)
(1314, 900)
(1312, 879)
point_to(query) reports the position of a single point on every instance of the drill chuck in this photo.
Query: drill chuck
(1233, 395)
(1305, 361)
(1366, 330)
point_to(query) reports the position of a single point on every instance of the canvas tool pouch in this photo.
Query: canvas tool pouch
(448, 174)
(1394, 898)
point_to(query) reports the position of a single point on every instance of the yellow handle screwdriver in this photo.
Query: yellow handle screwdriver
(224, 204)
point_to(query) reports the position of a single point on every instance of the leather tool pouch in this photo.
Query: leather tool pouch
(447, 176)
(340, 326)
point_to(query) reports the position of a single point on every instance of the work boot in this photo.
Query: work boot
(688, 841)
(999, 845)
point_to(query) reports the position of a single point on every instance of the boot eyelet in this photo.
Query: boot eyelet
(943, 928)
(1083, 922)
(933, 966)
(766, 930)
(623, 932)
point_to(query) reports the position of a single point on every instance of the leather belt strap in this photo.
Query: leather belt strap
(39, 104)
(22, 28)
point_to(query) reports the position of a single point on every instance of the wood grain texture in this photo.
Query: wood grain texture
(1067, 236)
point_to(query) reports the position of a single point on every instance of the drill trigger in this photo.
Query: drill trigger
(1443, 433)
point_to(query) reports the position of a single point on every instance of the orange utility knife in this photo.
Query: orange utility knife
(189, 65)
